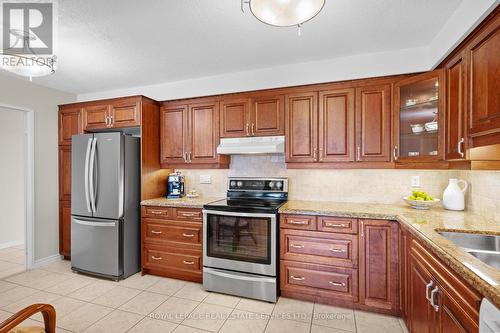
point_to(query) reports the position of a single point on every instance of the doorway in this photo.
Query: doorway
(16, 190)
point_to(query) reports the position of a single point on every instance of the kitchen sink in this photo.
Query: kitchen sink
(484, 247)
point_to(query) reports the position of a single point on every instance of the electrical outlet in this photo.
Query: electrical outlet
(415, 181)
(205, 179)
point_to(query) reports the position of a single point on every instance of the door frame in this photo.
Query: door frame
(29, 181)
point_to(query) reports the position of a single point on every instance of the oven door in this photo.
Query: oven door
(243, 242)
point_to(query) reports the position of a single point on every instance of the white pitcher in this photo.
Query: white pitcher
(454, 196)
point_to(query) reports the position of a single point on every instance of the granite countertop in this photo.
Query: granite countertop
(424, 226)
(182, 202)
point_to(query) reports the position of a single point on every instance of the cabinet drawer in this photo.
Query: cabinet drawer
(338, 224)
(320, 248)
(173, 233)
(319, 280)
(161, 259)
(304, 222)
(157, 212)
(188, 214)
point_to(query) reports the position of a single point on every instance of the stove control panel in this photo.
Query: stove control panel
(258, 184)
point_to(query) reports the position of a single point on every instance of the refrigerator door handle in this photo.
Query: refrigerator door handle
(91, 176)
(95, 224)
(87, 156)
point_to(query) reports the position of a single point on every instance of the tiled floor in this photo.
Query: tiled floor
(12, 261)
(153, 304)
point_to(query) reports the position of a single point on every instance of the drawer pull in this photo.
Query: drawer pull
(297, 246)
(298, 222)
(337, 284)
(337, 250)
(156, 212)
(156, 258)
(189, 214)
(188, 262)
(298, 278)
(335, 225)
(156, 232)
(187, 235)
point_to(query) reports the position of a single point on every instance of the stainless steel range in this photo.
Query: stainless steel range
(240, 238)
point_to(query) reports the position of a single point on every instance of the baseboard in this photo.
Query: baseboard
(47, 260)
(11, 244)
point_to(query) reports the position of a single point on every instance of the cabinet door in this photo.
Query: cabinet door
(336, 125)
(301, 127)
(125, 113)
(203, 132)
(484, 81)
(235, 118)
(403, 273)
(173, 134)
(451, 318)
(95, 116)
(455, 108)
(268, 116)
(422, 315)
(379, 260)
(65, 228)
(373, 123)
(65, 173)
(70, 123)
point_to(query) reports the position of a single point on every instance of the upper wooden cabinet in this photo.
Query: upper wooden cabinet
(70, 123)
(373, 123)
(189, 134)
(95, 117)
(125, 113)
(117, 113)
(418, 118)
(252, 116)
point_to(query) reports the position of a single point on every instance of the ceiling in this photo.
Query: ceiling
(112, 44)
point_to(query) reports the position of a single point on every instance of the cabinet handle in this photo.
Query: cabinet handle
(315, 154)
(434, 305)
(110, 121)
(358, 152)
(253, 129)
(156, 258)
(335, 225)
(185, 157)
(337, 284)
(459, 147)
(188, 214)
(190, 160)
(427, 287)
(188, 262)
(156, 212)
(156, 232)
(298, 222)
(248, 129)
(337, 250)
(297, 278)
(321, 154)
(297, 246)
(395, 153)
(187, 235)
(106, 118)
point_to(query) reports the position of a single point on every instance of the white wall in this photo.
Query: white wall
(12, 175)
(43, 101)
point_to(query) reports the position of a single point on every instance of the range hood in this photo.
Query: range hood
(252, 145)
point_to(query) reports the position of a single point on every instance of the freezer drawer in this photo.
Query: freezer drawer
(96, 246)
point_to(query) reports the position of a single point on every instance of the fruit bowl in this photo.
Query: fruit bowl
(421, 204)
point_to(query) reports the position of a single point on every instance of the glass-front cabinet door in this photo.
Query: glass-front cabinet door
(419, 118)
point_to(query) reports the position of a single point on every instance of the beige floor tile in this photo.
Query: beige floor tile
(60, 266)
(149, 325)
(367, 322)
(334, 317)
(324, 329)
(92, 291)
(38, 297)
(29, 277)
(71, 284)
(4, 315)
(222, 299)
(144, 303)
(292, 309)
(167, 286)
(66, 305)
(138, 281)
(187, 329)
(245, 322)
(287, 326)
(16, 259)
(115, 322)
(116, 297)
(208, 317)
(403, 325)
(4, 286)
(83, 317)
(16, 294)
(192, 291)
(174, 309)
(252, 305)
(13, 269)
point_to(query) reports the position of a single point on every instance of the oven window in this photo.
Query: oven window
(239, 238)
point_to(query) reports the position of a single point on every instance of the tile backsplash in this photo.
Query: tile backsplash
(351, 185)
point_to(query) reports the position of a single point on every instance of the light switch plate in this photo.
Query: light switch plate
(415, 181)
(205, 179)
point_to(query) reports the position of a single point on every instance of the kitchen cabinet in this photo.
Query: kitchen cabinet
(421, 310)
(65, 228)
(117, 113)
(173, 133)
(373, 123)
(70, 123)
(378, 266)
(203, 132)
(96, 117)
(418, 118)
(65, 173)
(235, 118)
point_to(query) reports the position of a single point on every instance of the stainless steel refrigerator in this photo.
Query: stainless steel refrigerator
(105, 186)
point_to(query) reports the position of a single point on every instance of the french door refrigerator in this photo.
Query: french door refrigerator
(105, 187)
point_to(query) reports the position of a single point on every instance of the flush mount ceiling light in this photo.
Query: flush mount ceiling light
(284, 13)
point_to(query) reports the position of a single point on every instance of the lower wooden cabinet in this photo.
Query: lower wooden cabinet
(65, 228)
